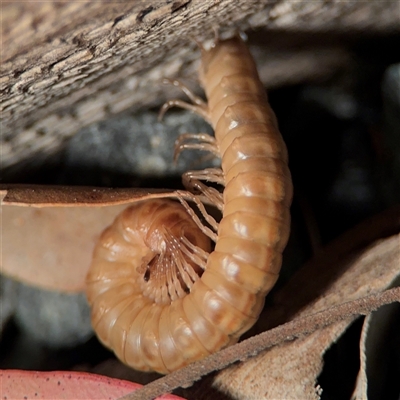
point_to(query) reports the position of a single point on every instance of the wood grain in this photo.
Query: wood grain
(65, 65)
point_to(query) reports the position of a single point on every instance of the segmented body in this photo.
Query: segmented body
(160, 299)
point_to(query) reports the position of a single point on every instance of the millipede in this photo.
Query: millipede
(162, 293)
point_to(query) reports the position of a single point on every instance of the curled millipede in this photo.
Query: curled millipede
(161, 297)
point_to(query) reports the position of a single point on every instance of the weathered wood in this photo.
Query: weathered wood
(67, 64)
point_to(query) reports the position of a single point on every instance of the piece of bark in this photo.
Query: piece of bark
(65, 65)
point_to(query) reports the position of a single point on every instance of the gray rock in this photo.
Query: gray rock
(53, 319)
(138, 144)
(8, 297)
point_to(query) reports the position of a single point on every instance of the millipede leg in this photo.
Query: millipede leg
(208, 174)
(177, 83)
(213, 223)
(182, 104)
(191, 181)
(201, 137)
(197, 254)
(199, 107)
(212, 195)
(200, 205)
(206, 142)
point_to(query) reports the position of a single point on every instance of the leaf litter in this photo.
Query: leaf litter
(344, 280)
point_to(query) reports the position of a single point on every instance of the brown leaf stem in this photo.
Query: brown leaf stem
(75, 196)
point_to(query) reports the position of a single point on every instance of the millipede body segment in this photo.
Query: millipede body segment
(161, 296)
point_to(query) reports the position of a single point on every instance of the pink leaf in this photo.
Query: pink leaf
(28, 385)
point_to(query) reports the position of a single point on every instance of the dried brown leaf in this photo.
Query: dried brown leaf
(360, 391)
(291, 370)
(49, 232)
(52, 247)
(377, 344)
